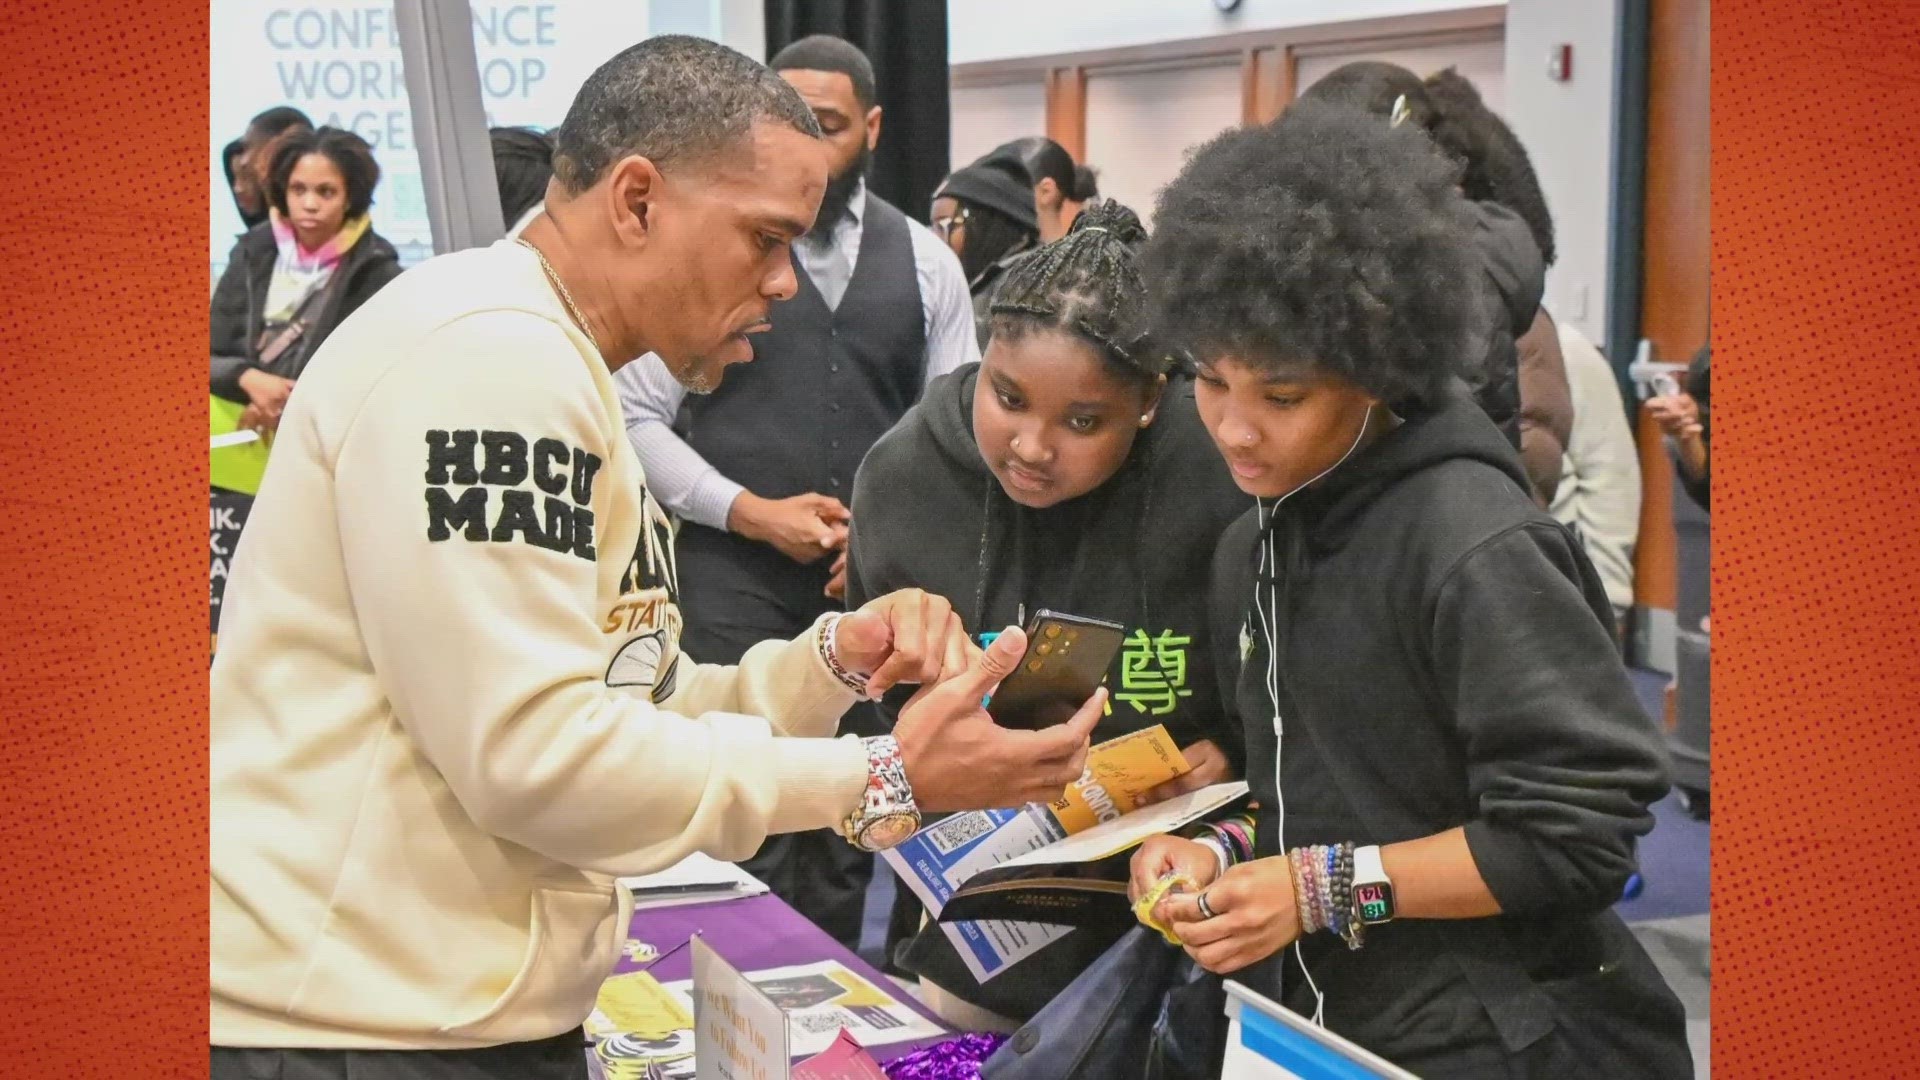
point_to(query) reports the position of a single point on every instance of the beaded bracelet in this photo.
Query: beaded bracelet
(1351, 929)
(1310, 874)
(1323, 891)
(1333, 890)
(1326, 888)
(1299, 890)
(1338, 922)
(824, 641)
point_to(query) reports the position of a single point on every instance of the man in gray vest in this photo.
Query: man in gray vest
(758, 469)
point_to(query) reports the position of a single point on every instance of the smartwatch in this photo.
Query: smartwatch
(887, 814)
(1372, 892)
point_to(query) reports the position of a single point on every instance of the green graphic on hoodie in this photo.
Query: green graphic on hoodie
(1153, 672)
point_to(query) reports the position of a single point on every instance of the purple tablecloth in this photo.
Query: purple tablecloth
(754, 934)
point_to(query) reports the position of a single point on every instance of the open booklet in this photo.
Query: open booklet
(1081, 880)
(950, 861)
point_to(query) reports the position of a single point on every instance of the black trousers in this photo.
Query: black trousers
(563, 1057)
(734, 594)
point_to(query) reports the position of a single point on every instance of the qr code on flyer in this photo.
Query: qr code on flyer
(958, 831)
(823, 1022)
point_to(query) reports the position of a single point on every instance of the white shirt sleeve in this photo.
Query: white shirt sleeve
(680, 478)
(951, 341)
(1600, 490)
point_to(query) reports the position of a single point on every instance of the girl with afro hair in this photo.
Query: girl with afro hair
(1449, 764)
(1522, 383)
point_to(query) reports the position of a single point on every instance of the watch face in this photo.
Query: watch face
(889, 831)
(1374, 901)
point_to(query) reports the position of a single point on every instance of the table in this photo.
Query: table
(755, 933)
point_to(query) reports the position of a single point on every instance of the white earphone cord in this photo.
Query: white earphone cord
(1270, 625)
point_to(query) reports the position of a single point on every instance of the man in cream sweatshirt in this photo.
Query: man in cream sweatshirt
(449, 705)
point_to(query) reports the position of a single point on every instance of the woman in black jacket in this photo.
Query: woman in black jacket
(290, 281)
(1450, 765)
(1067, 470)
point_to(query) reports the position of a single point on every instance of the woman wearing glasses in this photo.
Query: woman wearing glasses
(985, 214)
(997, 210)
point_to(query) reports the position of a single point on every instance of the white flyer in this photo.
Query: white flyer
(936, 860)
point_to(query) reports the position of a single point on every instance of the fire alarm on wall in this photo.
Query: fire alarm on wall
(1560, 63)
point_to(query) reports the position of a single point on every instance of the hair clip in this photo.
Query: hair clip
(1400, 111)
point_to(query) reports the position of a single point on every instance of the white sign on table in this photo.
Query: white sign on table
(1267, 1041)
(739, 1033)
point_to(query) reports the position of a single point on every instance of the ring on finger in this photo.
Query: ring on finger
(1206, 909)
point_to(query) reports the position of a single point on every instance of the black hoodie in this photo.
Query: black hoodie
(1445, 659)
(929, 514)
(1515, 278)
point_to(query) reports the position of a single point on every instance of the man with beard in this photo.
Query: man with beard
(249, 158)
(758, 468)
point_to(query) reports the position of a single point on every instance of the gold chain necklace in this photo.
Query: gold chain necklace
(561, 288)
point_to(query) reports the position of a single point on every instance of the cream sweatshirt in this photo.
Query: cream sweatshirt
(449, 705)
(1599, 489)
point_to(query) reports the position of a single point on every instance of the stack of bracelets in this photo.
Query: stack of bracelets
(1322, 877)
(1231, 839)
(1323, 891)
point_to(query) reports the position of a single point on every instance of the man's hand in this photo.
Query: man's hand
(1254, 916)
(910, 636)
(837, 584)
(1208, 765)
(957, 758)
(268, 393)
(805, 528)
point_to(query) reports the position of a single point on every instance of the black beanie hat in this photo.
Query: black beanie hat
(992, 185)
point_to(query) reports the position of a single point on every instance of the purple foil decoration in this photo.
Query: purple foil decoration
(955, 1059)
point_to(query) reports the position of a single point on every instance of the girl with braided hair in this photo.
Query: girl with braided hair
(1067, 470)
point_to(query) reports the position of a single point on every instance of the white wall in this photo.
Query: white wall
(1568, 131)
(743, 25)
(986, 116)
(1002, 29)
(1483, 60)
(1567, 127)
(1141, 125)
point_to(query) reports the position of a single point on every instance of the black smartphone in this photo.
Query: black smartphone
(1067, 658)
